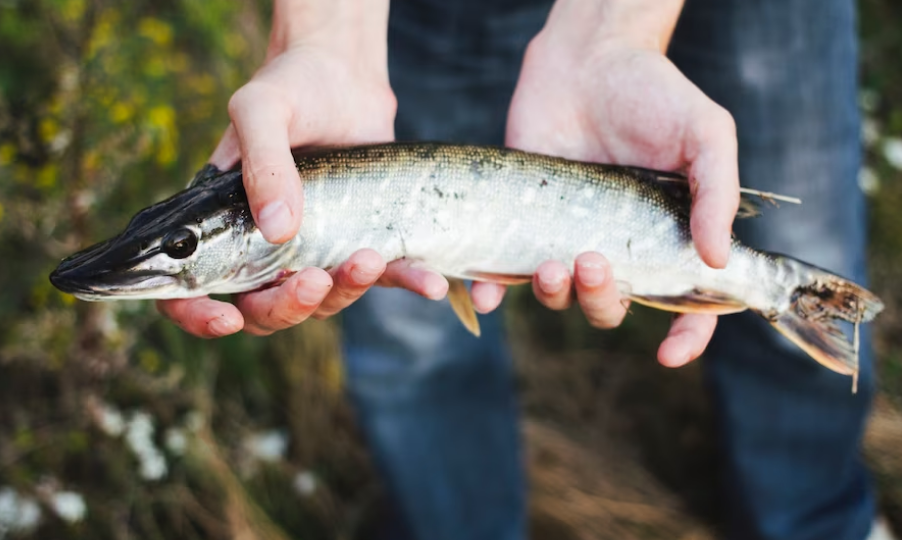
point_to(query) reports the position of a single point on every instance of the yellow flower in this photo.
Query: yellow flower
(46, 177)
(155, 30)
(121, 112)
(48, 129)
(73, 10)
(7, 153)
(149, 360)
(161, 117)
(103, 33)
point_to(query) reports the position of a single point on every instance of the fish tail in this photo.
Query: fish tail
(817, 309)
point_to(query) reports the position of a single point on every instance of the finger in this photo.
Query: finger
(552, 285)
(351, 280)
(228, 151)
(596, 291)
(405, 274)
(487, 296)
(688, 336)
(714, 177)
(270, 177)
(287, 305)
(202, 317)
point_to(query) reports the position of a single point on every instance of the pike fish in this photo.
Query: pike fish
(469, 213)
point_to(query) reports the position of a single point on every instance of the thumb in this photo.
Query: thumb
(714, 180)
(270, 176)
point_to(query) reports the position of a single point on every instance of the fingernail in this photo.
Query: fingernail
(220, 326)
(313, 287)
(551, 284)
(591, 274)
(274, 219)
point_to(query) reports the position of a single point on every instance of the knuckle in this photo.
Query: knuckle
(720, 122)
(239, 100)
(250, 94)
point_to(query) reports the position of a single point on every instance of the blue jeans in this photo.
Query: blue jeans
(438, 407)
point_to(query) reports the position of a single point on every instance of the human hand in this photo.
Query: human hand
(324, 82)
(597, 93)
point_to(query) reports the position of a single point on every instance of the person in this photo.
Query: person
(588, 80)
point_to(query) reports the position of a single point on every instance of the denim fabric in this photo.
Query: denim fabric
(438, 407)
(436, 404)
(790, 430)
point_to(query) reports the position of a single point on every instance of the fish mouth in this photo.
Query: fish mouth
(93, 274)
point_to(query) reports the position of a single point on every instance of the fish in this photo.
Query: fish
(477, 213)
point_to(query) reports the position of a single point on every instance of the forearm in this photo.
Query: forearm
(358, 28)
(643, 23)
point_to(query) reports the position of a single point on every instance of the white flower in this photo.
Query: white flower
(17, 513)
(69, 506)
(110, 421)
(868, 181)
(305, 483)
(139, 436)
(892, 151)
(153, 466)
(870, 131)
(176, 442)
(268, 446)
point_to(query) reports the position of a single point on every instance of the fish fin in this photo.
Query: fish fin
(207, 173)
(815, 311)
(695, 301)
(677, 186)
(504, 279)
(462, 305)
(821, 339)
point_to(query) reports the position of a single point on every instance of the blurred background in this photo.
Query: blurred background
(114, 424)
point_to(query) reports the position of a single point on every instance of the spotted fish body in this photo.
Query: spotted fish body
(468, 212)
(475, 213)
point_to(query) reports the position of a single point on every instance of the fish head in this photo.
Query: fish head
(193, 243)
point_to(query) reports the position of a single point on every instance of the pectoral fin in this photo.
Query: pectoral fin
(695, 301)
(459, 296)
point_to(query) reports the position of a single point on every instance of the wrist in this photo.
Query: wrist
(356, 29)
(593, 24)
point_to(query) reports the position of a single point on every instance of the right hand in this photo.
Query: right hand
(306, 94)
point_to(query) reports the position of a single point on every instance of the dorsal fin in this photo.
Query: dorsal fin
(750, 200)
(207, 173)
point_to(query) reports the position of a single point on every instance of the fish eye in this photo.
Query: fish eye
(180, 244)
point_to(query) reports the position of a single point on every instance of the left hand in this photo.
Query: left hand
(604, 97)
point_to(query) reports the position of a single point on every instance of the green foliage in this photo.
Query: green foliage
(106, 107)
